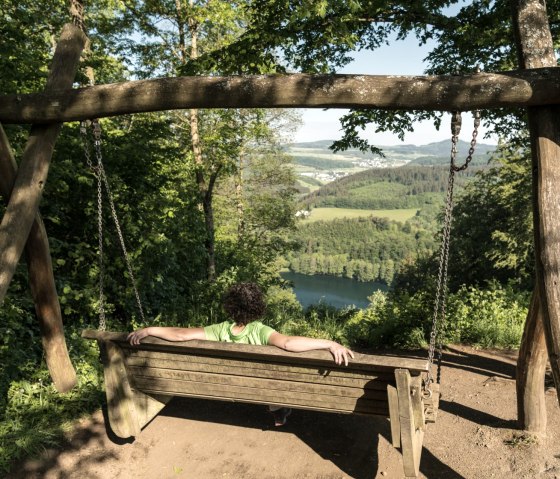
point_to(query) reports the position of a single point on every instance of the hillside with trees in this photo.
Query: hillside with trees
(366, 249)
(386, 188)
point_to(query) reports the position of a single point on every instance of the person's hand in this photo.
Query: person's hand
(340, 353)
(135, 337)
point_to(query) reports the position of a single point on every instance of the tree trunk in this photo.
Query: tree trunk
(536, 50)
(33, 170)
(41, 279)
(205, 192)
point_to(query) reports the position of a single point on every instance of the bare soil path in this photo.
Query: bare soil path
(474, 437)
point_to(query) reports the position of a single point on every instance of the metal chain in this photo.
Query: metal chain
(95, 169)
(103, 177)
(441, 290)
(99, 172)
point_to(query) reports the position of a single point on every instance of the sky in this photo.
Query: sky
(400, 58)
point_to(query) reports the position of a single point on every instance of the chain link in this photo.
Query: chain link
(99, 172)
(438, 320)
(95, 169)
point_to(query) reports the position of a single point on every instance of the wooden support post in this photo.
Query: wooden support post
(33, 169)
(129, 410)
(411, 435)
(121, 406)
(531, 369)
(536, 49)
(42, 283)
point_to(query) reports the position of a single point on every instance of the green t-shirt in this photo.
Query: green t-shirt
(253, 333)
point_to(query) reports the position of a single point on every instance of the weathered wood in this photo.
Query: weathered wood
(41, 279)
(229, 350)
(148, 406)
(536, 49)
(264, 370)
(121, 407)
(183, 357)
(393, 400)
(33, 169)
(315, 407)
(417, 405)
(431, 404)
(227, 378)
(362, 405)
(457, 92)
(531, 369)
(411, 436)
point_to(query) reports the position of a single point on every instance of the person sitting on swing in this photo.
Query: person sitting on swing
(244, 304)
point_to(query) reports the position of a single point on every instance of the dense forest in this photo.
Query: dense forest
(366, 249)
(207, 198)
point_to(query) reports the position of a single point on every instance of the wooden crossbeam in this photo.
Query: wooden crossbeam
(445, 93)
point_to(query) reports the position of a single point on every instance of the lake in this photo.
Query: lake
(338, 292)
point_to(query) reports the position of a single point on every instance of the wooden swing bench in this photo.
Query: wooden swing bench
(140, 380)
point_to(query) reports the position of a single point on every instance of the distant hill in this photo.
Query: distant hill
(408, 186)
(316, 155)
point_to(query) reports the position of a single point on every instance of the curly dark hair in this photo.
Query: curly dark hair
(244, 302)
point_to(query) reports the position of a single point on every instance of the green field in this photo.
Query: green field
(327, 214)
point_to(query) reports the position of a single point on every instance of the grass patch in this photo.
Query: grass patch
(327, 214)
(521, 440)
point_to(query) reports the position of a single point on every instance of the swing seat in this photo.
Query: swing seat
(140, 380)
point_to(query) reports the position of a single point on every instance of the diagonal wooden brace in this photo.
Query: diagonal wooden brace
(22, 209)
(41, 279)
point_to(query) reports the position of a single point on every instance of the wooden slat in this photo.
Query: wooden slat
(240, 393)
(250, 381)
(267, 371)
(417, 405)
(369, 411)
(332, 369)
(393, 400)
(411, 437)
(230, 350)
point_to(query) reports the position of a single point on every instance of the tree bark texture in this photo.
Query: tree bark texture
(536, 50)
(41, 279)
(33, 170)
(390, 92)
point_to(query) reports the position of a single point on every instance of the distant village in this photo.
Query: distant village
(332, 175)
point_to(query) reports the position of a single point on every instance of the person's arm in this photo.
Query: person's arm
(299, 344)
(169, 334)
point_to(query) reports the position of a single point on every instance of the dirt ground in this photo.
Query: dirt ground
(474, 437)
